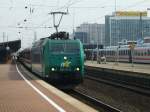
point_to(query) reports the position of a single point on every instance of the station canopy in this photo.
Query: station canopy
(13, 46)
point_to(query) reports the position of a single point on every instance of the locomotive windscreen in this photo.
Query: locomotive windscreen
(64, 48)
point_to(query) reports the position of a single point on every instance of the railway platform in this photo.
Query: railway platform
(20, 92)
(124, 67)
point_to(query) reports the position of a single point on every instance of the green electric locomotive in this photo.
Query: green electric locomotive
(58, 60)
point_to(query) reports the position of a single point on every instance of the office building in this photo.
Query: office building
(126, 26)
(93, 33)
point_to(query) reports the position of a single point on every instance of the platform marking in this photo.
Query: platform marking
(60, 109)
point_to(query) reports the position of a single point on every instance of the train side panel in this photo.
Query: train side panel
(36, 60)
(45, 58)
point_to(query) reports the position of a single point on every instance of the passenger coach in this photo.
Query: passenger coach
(140, 54)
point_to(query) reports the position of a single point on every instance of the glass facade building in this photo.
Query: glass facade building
(126, 28)
(95, 32)
(82, 36)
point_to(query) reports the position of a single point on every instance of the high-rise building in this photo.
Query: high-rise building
(126, 26)
(94, 33)
(81, 36)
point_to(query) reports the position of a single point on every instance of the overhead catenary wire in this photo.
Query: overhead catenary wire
(58, 8)
(46, 14)
(69, 3)
(72, 2)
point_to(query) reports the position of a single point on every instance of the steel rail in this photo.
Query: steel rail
(96, 102)
(133, 88)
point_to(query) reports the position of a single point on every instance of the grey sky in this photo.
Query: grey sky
(13, 13)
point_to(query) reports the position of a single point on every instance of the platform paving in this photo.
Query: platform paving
(132, 67)
(17, 96)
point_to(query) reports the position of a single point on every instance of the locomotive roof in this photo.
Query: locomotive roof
(39, 42)
(42, 41)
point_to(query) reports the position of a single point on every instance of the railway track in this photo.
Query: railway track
(97, 104)
(134, 88)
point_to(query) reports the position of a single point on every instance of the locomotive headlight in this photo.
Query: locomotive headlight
(65, 57)
(77, 69)
(53, 69)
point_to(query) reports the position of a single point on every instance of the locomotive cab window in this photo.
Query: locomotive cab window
(64, 48)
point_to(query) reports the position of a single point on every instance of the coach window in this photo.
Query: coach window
(138, 53)
(148, 52)
(134, 52)
(145, 52)
(121, 52)
(127, 52)
(141, 53)
(104, 52)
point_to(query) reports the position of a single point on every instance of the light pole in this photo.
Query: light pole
(110, 32)
(118, 32)
(132, 49)
(97, 42)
